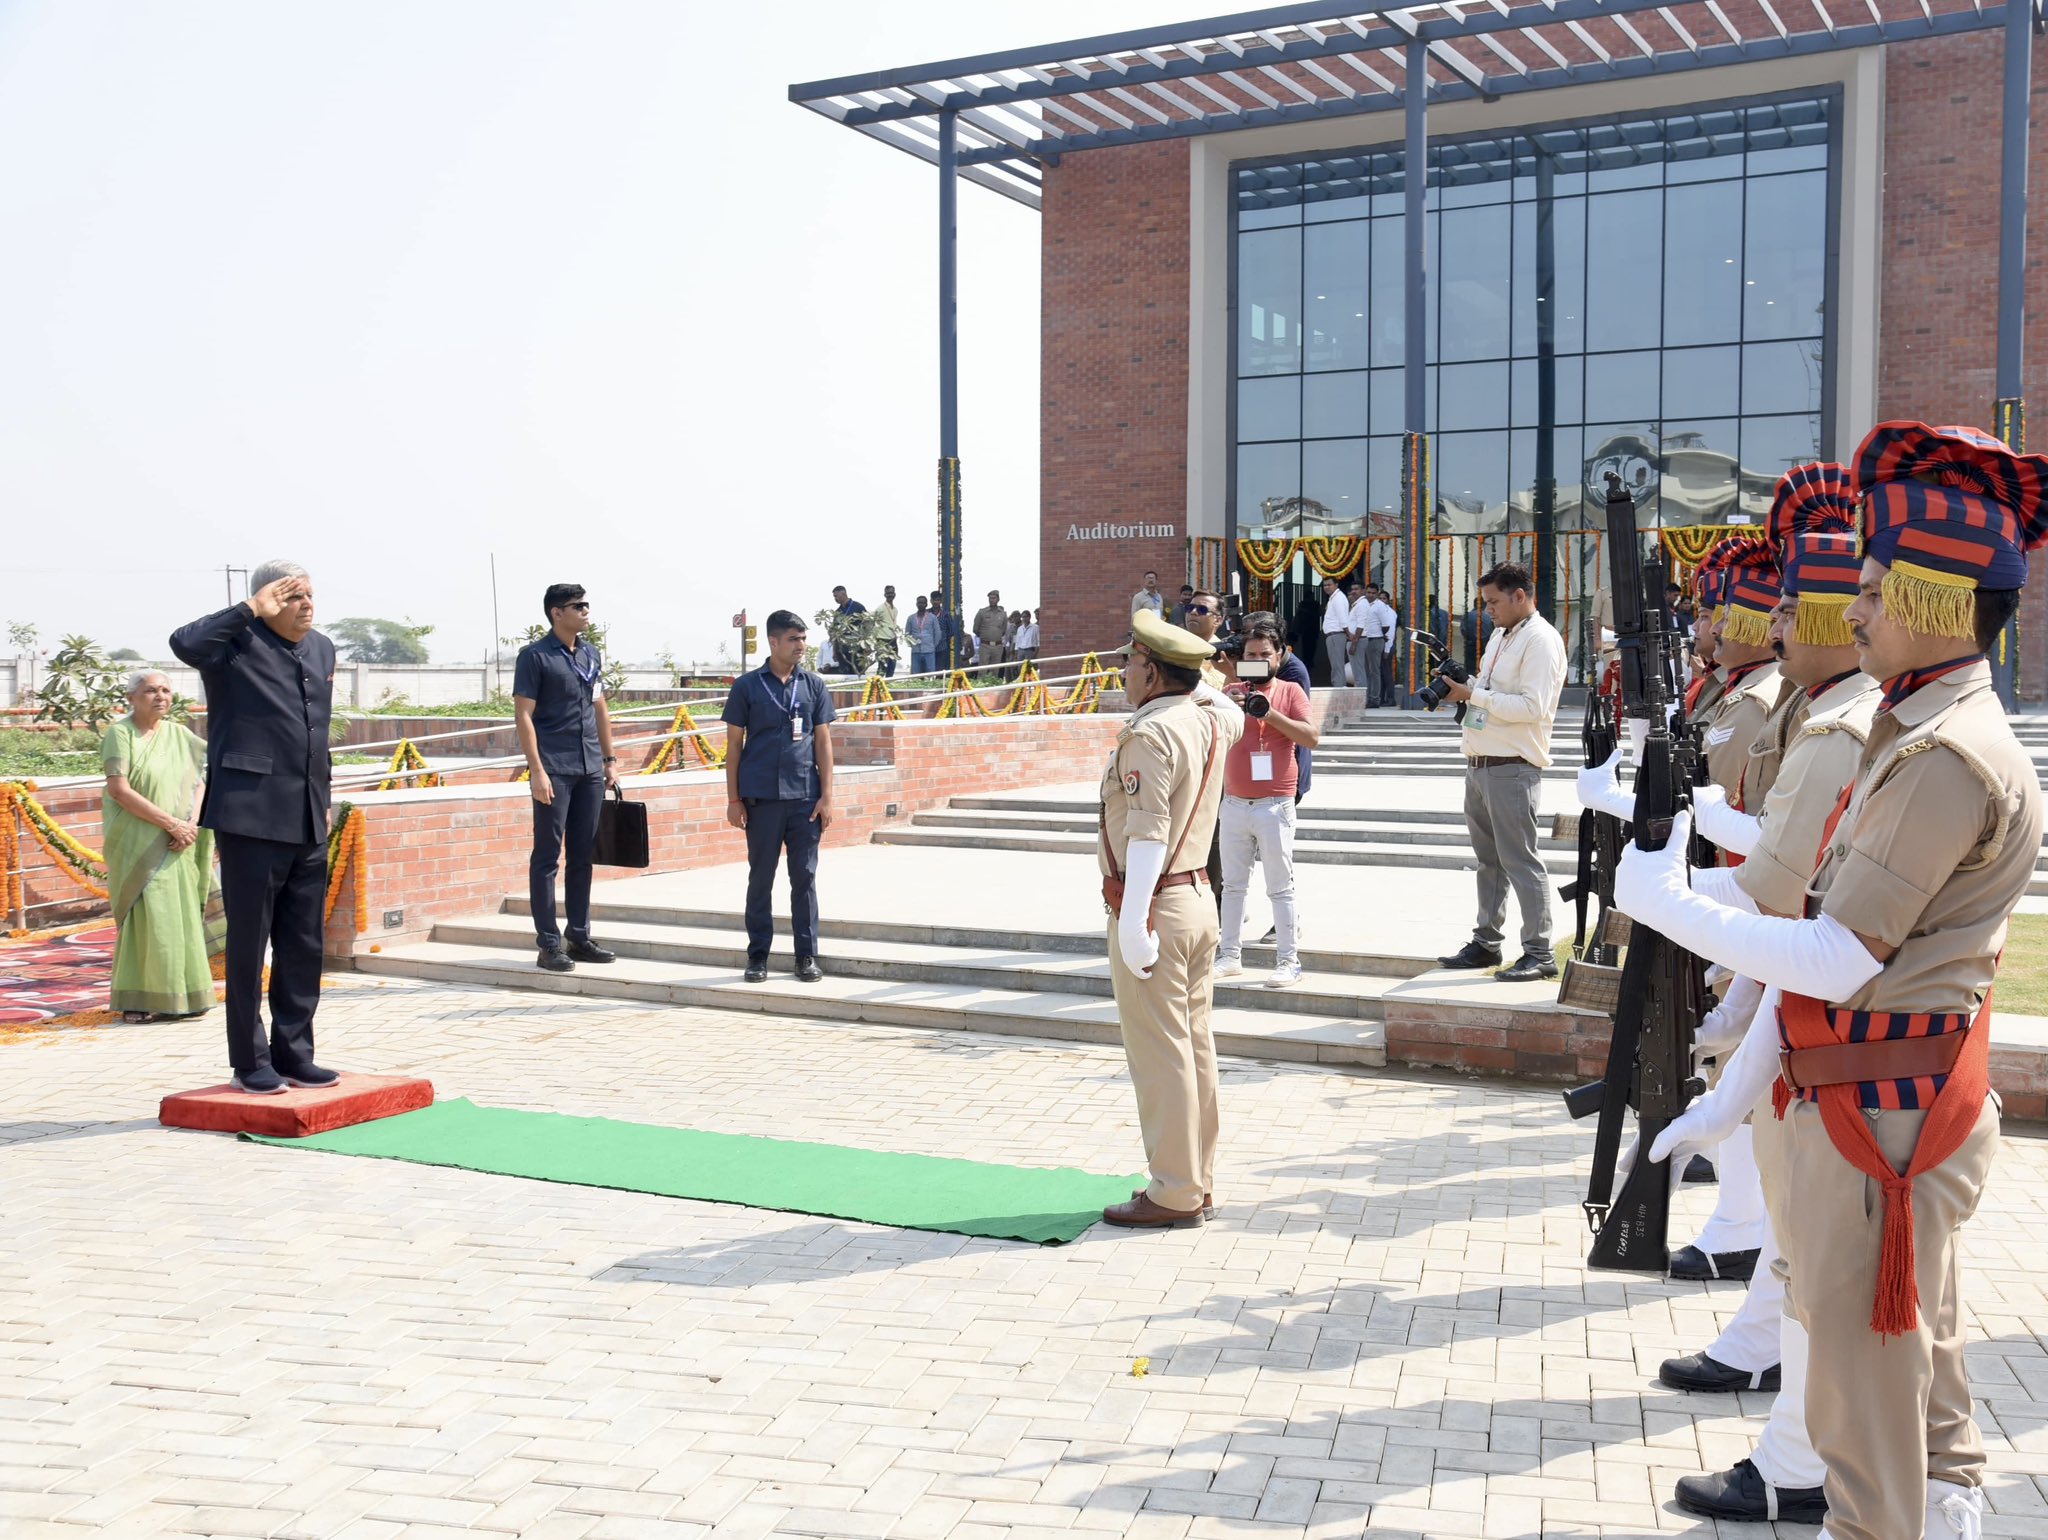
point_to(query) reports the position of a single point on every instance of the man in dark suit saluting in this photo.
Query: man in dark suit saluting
(269, 697)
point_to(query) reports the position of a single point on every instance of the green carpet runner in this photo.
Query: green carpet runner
(914, 1192)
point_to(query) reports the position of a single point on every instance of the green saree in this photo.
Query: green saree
(160, 897)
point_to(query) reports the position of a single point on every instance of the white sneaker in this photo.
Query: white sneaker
(1954, 1512)
(1229, 967)
(1286, 976)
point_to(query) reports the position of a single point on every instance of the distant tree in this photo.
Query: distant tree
(81, 687)
(125, 655)
(361, 640)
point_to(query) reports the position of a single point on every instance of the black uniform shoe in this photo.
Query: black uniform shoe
(808, 971)
(1700, 1170)
(591, 952)
(1692, 1263)
(1471, 955)
(310, 1075)
(1528, 968)
(555, 959)
(261, 1081)
(757, 970)
(1742, 1494)
(1698, 1371)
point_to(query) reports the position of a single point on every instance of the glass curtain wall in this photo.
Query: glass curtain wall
(1646, 295)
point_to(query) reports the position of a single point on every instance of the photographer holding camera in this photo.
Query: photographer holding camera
(1256, 823)
(1509, 707)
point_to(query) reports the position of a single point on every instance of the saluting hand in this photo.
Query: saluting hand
(270, 600)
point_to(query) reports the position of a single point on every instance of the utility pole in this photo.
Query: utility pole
(228, 574)
(497, 642)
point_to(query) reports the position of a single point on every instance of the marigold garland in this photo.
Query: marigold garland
(876, 699)
(1266, 559)
(1335, 556)
(683, 730)
(348, 850)
(408, 766)
(18, 806)
(1689, 543)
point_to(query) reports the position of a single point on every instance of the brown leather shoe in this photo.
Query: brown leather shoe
(1141, 1213)
(1208, 1201)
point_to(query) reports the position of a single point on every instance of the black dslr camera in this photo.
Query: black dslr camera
(1442, 664)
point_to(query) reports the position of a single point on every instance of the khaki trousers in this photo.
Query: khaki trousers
(1886, 1414)
(1165, 1022)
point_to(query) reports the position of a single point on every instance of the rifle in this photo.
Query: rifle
(1663, 988)
(1599, 847)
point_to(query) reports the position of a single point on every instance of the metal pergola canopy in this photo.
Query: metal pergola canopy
(1016, 111)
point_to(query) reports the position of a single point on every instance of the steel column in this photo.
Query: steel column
(1546, 390)
(2009, 411)
(949, 385)
(1415, 479)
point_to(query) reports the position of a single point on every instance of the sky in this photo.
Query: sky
(389, 288)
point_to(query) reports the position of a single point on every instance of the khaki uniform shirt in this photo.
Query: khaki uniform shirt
(1737, 720)
(1825, 747)
(1710, 695)
(1937, 846)
(1603, 621)
(1149, 786)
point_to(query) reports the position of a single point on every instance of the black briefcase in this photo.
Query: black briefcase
(621, 832)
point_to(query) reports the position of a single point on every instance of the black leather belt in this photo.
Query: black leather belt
(1488, 761)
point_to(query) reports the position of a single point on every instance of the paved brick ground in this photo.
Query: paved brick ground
(1388, 1325)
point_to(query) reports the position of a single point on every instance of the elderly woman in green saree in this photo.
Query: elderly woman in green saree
(159, 861)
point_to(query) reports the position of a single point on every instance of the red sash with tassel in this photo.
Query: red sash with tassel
(1804, 1021)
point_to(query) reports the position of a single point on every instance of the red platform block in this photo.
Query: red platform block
(296, 1113)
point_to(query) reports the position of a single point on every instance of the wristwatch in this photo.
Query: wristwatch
(611, 759)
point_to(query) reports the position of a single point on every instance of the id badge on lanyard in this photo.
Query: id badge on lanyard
(796, 710)
(1262, 767)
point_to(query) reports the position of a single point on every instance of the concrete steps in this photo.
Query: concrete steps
(1361, 828)
(1307, 851)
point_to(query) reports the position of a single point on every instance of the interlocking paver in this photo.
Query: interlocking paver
(1389, 1331)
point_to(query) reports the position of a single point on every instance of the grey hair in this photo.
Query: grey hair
(139, 677)
(271, 571)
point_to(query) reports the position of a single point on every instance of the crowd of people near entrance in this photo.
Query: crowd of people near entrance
(993, 637)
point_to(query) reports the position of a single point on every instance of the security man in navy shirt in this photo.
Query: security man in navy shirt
(778, 787)
(269, 680)
(565, 731)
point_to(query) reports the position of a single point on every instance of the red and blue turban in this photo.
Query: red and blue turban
(1749, 569)
(1947, 511)
(1813, 525)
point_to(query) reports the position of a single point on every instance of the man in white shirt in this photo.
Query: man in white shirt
(1149, 597)
(1027, 635)
(1374, 623)
(1510, 704)
(1336, 630)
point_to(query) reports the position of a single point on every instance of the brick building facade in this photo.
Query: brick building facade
(1131, 290)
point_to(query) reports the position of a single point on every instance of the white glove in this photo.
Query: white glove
(1144, 864)
(1638, 735)
(1601, 791)
(1819, 957)
(1719, 883)
(1725, 826)
(1625, 1162)
(1209, 695)
(1745, 1078)
(1722, 1027)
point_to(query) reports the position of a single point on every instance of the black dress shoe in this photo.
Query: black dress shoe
(1743, 1494)
(590, 952)
(1700, 1170)
(311, 1076)
(757, 970)
(1471, 955)
(1528, 968)
(261, 1081)
(555, 959)
(1690, 1262)
(1698, 1371)
(808, 971)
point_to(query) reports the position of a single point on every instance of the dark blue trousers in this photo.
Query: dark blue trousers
(772, 828)
(273, 891)
(571, 820)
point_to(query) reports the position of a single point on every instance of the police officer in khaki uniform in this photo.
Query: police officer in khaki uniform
(1752, 685)
(1827, 717)
(1875, 1022)
(1161, 792)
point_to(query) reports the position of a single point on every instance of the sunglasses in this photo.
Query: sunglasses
(582, 605)
(1201, 609)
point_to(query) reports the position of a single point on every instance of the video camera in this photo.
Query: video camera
(1442, 665)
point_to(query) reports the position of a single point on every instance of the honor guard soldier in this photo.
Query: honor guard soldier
(1160, 794)
(1704, 693)
(1824, 731)
(1876, 1017)
(1742, 649)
